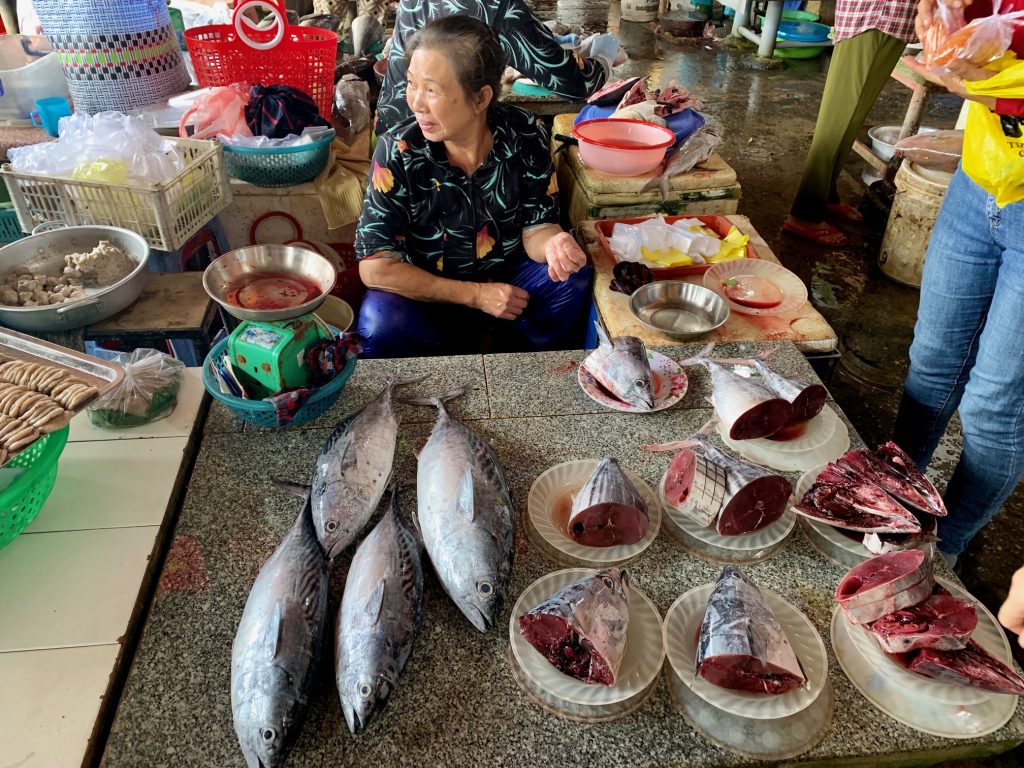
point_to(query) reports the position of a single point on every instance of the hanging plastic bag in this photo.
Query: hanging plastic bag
(218, 112)
(148, 392)
(351, 106)
(994, 144)
(981, 42)
(939, 150)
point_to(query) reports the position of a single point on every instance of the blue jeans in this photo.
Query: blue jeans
(968, 353)
(394, 326)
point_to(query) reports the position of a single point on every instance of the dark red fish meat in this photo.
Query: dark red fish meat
(898, 460)
(884, 584)
(673, 98)
(741, 645)
(581, 630)
(846, 499)
(942, 622)
(806, 400)
(637, 94)
(972, 666)
(611, 94)
(608, 510)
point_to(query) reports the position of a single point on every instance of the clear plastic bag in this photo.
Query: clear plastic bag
(148, 392)
(308, 136)
(980, 42)
(108, 146)
(940, 151)
(351, 105)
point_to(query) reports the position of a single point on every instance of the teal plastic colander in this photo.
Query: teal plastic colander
(279, 167)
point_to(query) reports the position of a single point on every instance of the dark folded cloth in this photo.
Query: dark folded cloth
(275, 111)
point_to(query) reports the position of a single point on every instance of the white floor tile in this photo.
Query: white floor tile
(178, 424)
(59, 590)
(49, 701)
(125, 483)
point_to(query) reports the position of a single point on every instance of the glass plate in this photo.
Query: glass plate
(562, 479)
(668, 377)
(641, 662)
(681, 623)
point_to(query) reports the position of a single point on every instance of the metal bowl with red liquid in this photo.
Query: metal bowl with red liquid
(265, 283)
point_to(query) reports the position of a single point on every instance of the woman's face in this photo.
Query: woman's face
(438, 101)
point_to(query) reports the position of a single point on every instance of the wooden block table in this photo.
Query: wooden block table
(589, 194)
(805, 326)
(174, 305)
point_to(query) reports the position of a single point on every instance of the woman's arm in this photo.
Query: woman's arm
(386, 272)
(550, 244)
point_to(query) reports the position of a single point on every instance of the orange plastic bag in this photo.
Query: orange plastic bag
(220, 112)
(981, 42)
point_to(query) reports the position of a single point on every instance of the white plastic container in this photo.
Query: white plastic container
(29, 70)
(919, 195)
(639, 10)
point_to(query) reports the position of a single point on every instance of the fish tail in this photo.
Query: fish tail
(653, 184)
(437, 401)
(700, 357)
(394, 382)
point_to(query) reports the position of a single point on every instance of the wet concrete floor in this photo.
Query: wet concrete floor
(766, 119)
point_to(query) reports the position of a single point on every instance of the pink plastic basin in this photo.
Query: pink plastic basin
(622, 147)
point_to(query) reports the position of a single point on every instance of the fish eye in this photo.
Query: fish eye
(485, 588)
(331, 526)
(640, 383)
(365, 690)
(268, 735)
(608, 582)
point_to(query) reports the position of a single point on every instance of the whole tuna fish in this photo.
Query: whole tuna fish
(621, 366)
(352, 470)
(742, 645)
(581, 630)
(748, 410)
(381, 613)
(608, 510)
(465, 515)
(277, 647)
(687, 155)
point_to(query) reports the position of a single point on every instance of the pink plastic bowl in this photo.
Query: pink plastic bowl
(622, 147)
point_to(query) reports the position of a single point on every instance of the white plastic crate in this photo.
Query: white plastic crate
(167, 215)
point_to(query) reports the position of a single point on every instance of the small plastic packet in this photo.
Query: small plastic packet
(980, 42)
(940, 151)
(352, 105)
(148, 392)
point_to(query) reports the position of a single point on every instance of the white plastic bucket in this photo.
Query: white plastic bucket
(639, 10)
(25, 77)
(919, 195)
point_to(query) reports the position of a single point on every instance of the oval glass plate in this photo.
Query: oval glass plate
(828, 532)
(988, 635)
(825, 439)
(902, 702)
(667, 375)
(681, 623)
(562, 480)
(794, 292)
(641, 662)
(763, 539)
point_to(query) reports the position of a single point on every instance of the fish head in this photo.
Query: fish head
(477, 584)
(365, 692)
(626, 372)
(615, 580)
(331, 533)
(264, 719)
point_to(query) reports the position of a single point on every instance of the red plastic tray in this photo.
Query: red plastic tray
(720, 225)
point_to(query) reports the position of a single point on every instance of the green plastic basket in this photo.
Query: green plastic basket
(21, 501)
(261, 412)
(279, 167)
(10, 229)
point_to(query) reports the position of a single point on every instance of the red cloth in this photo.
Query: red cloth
(893, 17)
(981, 8)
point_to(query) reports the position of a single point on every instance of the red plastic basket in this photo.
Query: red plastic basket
(302, 57)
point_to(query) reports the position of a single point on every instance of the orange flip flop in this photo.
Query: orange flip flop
(845, 212)
(821, 233)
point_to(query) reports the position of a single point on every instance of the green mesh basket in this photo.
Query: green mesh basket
(279, 167)
(10, 229)
(21, 501)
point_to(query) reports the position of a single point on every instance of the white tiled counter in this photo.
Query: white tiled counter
(70, 583)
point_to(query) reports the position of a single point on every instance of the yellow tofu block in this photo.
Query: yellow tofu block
(665, 257)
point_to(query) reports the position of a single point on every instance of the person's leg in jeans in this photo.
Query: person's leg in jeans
(553, 310)
(992, 408)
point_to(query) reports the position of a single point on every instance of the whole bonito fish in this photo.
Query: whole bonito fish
(465, 515)
(352, 470)
(381, 613)
(277, 647)
(608, 510)
(581, 630)
(621, 366)
(687, 155)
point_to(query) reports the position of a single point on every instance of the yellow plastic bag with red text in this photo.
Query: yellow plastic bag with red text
(994, 144)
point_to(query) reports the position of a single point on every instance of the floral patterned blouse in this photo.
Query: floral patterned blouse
(529, 45)
(426, 211)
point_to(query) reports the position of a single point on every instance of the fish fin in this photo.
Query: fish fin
(295, 489)
(437, 401)
(700, 357)
(465, 499)
(375, 602)
(602, 335)
(653, 184)
(394, 382)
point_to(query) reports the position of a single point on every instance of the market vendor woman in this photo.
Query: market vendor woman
(459, 241)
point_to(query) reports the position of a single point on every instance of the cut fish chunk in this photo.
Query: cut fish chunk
(844, 499)
(884, 584)
(806, 400)
(741, 645)
(898, 460)
(972, 666)
(581, 630)
(942, 622)
(608, 510)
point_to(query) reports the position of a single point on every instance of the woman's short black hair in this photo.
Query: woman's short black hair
(471, 46)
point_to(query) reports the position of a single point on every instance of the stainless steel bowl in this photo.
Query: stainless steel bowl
(225, 272)
(677, 309)
(45, 252)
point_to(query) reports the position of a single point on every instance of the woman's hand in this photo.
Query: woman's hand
(1011, 614)
(503, 301)
(564, 257)
(955, 79)
(926, 13)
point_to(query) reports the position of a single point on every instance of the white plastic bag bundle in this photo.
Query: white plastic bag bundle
(308, 136)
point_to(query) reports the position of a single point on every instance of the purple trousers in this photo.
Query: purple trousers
(394, 326)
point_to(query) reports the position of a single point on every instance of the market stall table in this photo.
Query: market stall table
(457, 703)
(805, 326)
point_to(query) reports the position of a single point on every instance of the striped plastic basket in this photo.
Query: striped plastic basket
(116, 54)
